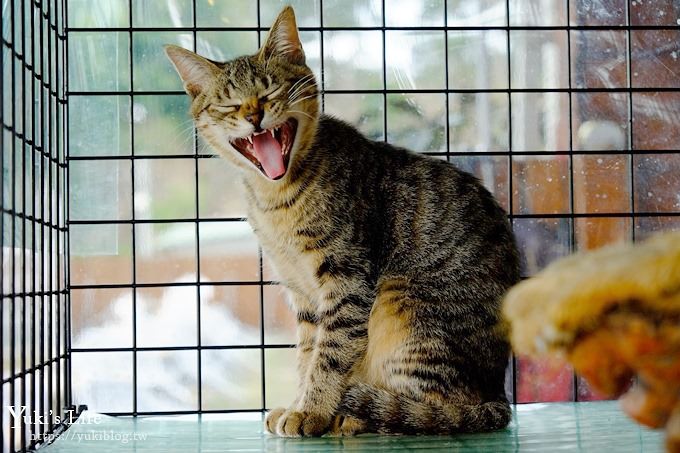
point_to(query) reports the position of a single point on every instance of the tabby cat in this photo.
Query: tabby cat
(395, 262)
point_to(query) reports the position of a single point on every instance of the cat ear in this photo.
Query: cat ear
(283, 39)
(196, 72)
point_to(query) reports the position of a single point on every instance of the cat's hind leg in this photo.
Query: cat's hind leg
(346, 425)
(414, 379)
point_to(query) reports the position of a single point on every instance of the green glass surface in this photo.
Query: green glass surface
(587, 427)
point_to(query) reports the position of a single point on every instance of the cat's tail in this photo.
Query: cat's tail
(381, 411)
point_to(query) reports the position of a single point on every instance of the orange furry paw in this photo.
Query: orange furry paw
(614, 314)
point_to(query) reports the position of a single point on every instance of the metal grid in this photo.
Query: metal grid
(36, 395)
(131, 89)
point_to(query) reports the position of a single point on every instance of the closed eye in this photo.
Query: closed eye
(225, 108)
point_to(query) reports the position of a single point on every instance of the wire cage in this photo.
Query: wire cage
(35, 300)
(131, 280)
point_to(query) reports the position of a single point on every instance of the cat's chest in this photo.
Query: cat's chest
(279, 236)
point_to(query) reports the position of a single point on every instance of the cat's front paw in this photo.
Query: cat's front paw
(272, 419)
(297, 424)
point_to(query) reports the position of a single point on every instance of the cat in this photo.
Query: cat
(395, 262)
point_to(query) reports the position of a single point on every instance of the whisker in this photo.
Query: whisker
(302, 113)
(301, 91)
(303, 80)
(310, 91)
(303, 99)
(184, 138)
(304, 86)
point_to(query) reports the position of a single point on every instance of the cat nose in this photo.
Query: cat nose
(254, 118)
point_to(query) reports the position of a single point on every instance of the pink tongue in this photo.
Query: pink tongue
(268, 152)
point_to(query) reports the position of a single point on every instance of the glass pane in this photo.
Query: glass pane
(417, 121)
(540, 184)
(98, 61)
(87, 114)
(598, 59)
(16, 308)
(654, 13)
(230, 315)
(539, 59)
(307, 12)
(601, 183)
(19, 100)
(100, 190)
(540, 121)
(538, 12)
(162, 310)
(598, 12)
(226, 13)
(101, 318)
(7, 34)
(161, 13)
(415, 60)
(165, 188)
(654, 126)
(311, 43)
(364, 111)
(229, 252)
(100, 254)
(226, 45)
(165, 252)
(647, 226)
(7, 80)
(655, 60)
(600, 121)
(407, 13)
(6, 318)
(352, 13)
(279, 319)
(657, 182)
(162, 125)
(166, 380)
(20, 160)
(353, 60)
(464, 13)
(231, 379)
(492, 171)
(478, 59)
(153, 70)
(93, 371)
(7, 170)
(479, 122)
(18, 26)
(597, 232)
(219, 189)
(544, 381)
(541, 241)
(99, 14)
(281, 381)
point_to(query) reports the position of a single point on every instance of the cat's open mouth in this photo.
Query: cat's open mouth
(269, 149)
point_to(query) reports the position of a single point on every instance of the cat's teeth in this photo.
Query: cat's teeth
(250, 139)
(271, 131)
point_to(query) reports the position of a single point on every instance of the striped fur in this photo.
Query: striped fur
(395, 262)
